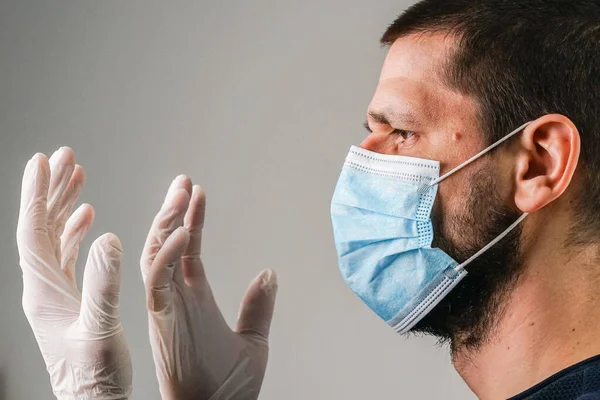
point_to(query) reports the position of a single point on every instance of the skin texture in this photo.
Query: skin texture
(536, 307)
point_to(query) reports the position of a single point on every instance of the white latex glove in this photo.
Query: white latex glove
(197, 355)
(79, 335)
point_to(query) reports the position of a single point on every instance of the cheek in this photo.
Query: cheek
(454, 192)
(450, 210)
(451, 194)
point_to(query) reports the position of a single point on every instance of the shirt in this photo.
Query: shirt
(577, 382)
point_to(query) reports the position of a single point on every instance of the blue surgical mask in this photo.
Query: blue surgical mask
(381, 214)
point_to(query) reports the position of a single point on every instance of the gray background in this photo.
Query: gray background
(259, 102)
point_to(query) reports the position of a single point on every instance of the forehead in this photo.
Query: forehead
(412, 79)
(417, 56)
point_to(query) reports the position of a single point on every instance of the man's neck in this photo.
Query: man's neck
(547, 326)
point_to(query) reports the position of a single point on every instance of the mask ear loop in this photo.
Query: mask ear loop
(476, 156)
(492, 243)
(462, 266)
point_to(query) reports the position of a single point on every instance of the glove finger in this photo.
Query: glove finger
(169, 218)
(33, 214)
(70, 198)
(160, 275)
(256, 311)
(194, 222)
(41, 272)
(188, 223)
(101, 285)
(76, 228)
(62, 165)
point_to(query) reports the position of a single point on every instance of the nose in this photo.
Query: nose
(383, 144)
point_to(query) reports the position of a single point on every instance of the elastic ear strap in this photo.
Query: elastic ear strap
(492, 243)
(476, 156)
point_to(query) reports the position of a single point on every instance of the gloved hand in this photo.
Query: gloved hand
(197, 355)
(79, 334)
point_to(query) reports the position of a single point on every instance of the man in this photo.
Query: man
(467, 73)
(522, 317)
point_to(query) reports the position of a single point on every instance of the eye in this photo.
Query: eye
(403, 133)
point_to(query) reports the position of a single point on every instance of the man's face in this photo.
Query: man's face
(413, 113)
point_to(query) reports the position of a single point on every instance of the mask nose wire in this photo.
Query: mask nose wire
(481, 153)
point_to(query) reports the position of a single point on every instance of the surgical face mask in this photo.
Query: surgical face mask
(381, 215)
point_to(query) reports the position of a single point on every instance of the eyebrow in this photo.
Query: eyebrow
(394, 116)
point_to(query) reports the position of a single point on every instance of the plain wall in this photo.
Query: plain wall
(258, 101)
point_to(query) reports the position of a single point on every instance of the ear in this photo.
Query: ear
(545, 166)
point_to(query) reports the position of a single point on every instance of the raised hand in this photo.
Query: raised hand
(197, 355)
(78, 333)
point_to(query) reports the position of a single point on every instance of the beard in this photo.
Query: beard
(467, 316)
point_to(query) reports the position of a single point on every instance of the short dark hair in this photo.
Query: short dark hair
(519, 60)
